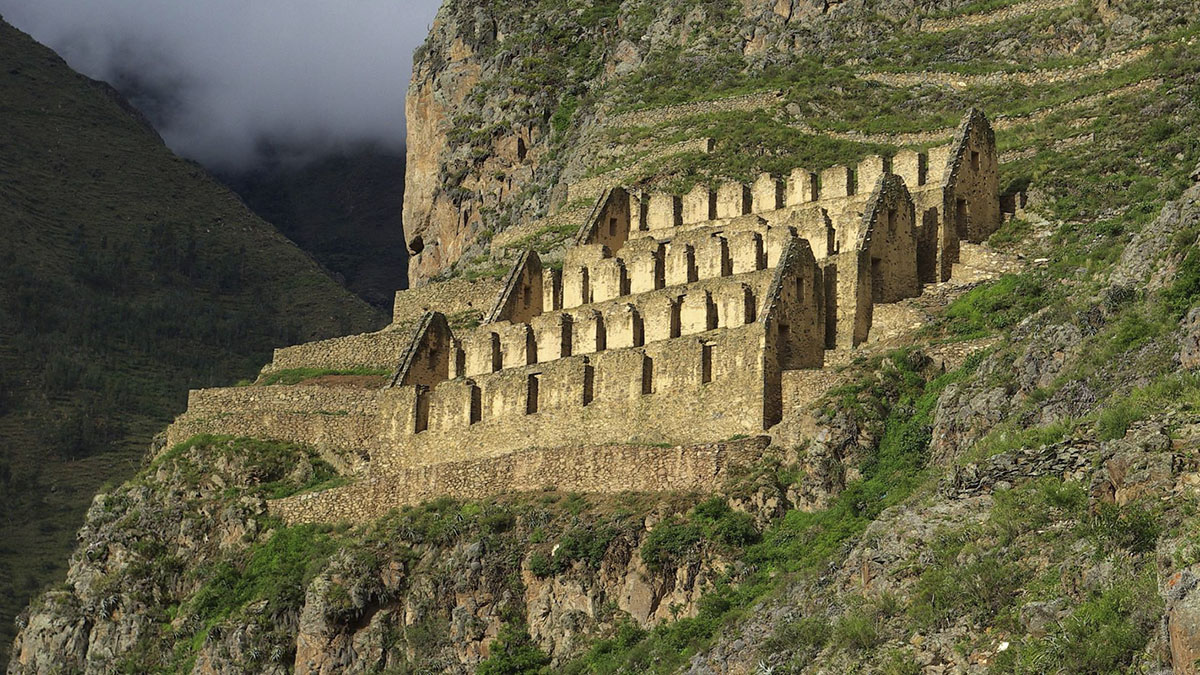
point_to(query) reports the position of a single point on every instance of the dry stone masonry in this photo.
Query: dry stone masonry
(670, 329)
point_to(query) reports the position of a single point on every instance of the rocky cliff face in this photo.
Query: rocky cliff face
(518, 114)
(1029, 508)
(182, 570)
(503, 102)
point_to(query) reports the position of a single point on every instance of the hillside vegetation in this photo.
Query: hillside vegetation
(127, 275)
(1029, 506)
(343, 208)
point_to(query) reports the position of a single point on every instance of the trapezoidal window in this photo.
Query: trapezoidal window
(589, 383)
(612, 227)
(975, 160)
(533, 389)
(960, 218)
(647, 376)
(476, 405)
(785, 343)
(876, 280)
(706, 363)
(421, 421)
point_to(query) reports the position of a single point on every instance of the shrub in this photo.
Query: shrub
(670, 542)
(513, 652)
(1185, 290)
(541, 565)
(1132, 528)
(1116, 419)
(980, 589)
(899, 662)
(856, 630)
(804, 639)
(1102, 635)
(735, 529)
(724, 525)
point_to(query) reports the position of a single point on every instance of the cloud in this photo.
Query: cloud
(223, 79)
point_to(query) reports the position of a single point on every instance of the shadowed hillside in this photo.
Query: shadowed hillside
(344, 209)
(127, 275)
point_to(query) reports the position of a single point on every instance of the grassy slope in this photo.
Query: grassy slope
(127, 275)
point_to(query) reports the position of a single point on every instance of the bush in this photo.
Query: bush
(857, 630)
(279, 570)
(1131, 528)
(735, 529)
(1115, 420)
(1103, 635)
(980, 589)
(670, 542)
(1185, 290)
(724, 525)
(513, 652)
(804, 639)
(541, 565)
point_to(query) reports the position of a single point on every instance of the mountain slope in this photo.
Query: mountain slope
(343, 208)
(127, 275)
(1008, 486)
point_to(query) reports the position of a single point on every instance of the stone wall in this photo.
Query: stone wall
(341, 420)
(698, 388)
(591, 188)
(890, 239)
(670, 113)
(448, 297)
(599, 469)
(298, 398)
(984, 18)
(972, 181)
(954, 190)
(675, 319)
(380, 350)
(521, 296)
(334, 434)
(1033, 78)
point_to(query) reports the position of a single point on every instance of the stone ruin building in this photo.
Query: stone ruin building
(672, 330)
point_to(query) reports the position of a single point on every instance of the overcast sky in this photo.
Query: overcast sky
(217, 77)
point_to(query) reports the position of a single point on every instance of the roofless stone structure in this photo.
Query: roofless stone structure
(673, 320)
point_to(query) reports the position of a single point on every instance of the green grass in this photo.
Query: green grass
(996, 305)
(1009, 436)
(1180, 391)
(1102, 635)
(297, 375)
(269, 464)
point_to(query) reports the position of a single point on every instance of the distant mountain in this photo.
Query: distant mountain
(127, 275)
(344, 209)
